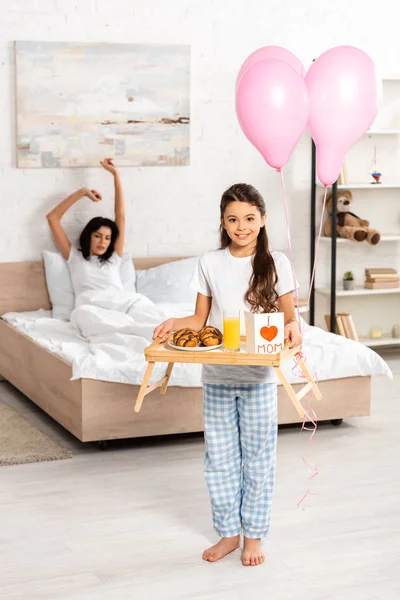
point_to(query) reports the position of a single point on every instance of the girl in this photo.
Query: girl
(240, 403)
(96, 265)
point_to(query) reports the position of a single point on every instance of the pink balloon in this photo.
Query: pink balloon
(272, 108)
(344, 96)
(275, 52)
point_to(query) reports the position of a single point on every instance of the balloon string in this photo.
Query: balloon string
(310, 417)
(296, 369)
(317, 247)
(296, 290)
(312, 468)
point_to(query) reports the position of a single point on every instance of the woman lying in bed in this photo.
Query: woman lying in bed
(95, 265)
(102, 306)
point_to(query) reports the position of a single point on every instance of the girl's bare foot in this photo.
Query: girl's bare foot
(222, 548)
(253, 553)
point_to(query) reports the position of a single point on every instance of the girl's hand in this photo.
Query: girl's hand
(292, 334)
(108, 165)
(164, 330)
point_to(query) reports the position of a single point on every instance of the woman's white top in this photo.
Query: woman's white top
(93, 274)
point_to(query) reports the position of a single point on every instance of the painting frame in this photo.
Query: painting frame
(78, 102)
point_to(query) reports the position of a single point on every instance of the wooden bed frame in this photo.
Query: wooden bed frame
(97, 410)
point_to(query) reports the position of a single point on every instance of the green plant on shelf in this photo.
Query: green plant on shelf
(348, 281)
(348, 276)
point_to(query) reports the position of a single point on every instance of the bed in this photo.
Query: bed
(94, 409)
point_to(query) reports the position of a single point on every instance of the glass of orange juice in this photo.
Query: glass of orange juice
(232, 330)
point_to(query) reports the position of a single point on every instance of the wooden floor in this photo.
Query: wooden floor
(131, 522)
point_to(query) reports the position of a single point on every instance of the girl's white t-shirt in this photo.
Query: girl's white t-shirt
(225, 278)
(93, 274)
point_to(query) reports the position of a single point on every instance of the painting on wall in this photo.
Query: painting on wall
(77, 103)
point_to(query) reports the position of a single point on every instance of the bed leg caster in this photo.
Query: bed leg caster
(336, 422)
(103, 444)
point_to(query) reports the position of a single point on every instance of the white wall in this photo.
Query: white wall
(174, 211)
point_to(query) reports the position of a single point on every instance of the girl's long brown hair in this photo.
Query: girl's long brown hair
(261, 294)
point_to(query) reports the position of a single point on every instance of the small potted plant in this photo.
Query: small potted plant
(348, 281)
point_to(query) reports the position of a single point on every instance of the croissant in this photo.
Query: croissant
(187, 338)
(210, 336)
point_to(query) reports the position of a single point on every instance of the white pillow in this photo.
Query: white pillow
(168, 282)
(59, 285)
(128, 273)
(59, 282)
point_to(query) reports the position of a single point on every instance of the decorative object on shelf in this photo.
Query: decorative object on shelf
(348, 225)
(380, 278)
(376, 334)
(396, 331)
(377, 177)
(375, 172)
(348, 281)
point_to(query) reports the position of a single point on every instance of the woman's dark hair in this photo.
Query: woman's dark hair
(261, 294)
(94, 225)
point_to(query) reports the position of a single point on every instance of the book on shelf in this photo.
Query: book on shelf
(381, 279)
(328, 324)
(340, 325)
(381, 273)
(382, 285)
(381, 270)
(344, 325)
(354, 334)
(384, 276)
(349, 327)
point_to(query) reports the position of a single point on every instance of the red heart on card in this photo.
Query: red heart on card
(269, 333)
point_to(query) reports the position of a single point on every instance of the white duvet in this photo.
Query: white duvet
(105, 340)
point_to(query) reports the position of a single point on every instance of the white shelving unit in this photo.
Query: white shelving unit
(383, 132)
(366, 186)
(384, 136)
(392, 77)
(385, 340)
(384, 238)
(359, 291)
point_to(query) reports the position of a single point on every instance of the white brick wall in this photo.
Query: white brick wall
(175, 210)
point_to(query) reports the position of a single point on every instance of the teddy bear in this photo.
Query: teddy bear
(348, 225)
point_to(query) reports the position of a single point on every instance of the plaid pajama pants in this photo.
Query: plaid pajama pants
(240, 430)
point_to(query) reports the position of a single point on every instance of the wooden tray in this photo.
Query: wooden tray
(162, 352)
